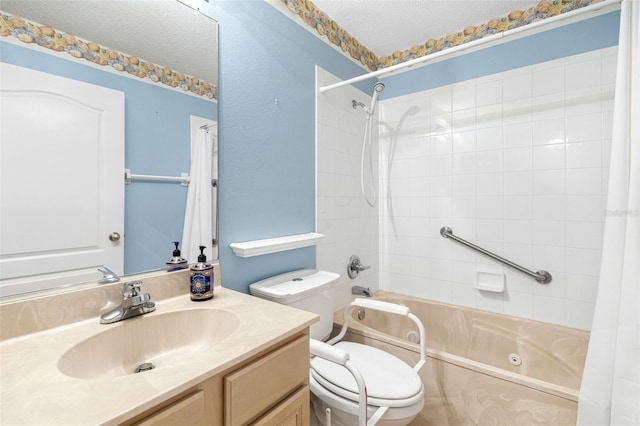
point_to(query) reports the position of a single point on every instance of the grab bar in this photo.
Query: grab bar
(543, 277)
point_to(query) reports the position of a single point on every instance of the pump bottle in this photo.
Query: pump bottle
(201, 278)
(176, 262)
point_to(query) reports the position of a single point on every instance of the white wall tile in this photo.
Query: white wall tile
(515, 162)
(579, 314)
(548, 157)
(548, 81)
(584, 181)
(584, 234)
(518, 304)
(584, 208)
(584, 154)
(490, 207)
(517, 87)
(464, 163)
(517, 135)
(518, 207)
(518, 183)
(584, 128)
(518, 231)
(549, 182)
(548, 131)
(549, 309)
(488, 93)
(551, 207)
(489, 138)
(489, 161)
(549, 233)
(463, 97)
(583, 74)
(490, 184)
(517, 159)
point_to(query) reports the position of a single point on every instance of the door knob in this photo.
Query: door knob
(114, 236)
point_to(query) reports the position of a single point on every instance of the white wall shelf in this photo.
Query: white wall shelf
(274, 245)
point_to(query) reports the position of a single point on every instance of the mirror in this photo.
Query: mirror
(163, 56)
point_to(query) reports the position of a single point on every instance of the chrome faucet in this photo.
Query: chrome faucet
(108, 276)
(354, 267)
(361, 291)
(133, 304)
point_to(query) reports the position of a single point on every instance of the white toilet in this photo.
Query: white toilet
(389, 381)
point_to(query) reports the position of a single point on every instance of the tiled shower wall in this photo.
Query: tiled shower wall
(350, 226)
(516, 162)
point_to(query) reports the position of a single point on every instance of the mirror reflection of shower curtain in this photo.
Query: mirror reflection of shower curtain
(198, 218)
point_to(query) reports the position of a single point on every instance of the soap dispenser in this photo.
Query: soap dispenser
(201, 278)
(176, 262)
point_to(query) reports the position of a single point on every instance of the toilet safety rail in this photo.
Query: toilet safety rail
(338, 356)
(542, 276)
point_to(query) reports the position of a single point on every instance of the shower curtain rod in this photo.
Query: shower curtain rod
(485, 40)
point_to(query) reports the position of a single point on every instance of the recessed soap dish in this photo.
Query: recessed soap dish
(490, 280)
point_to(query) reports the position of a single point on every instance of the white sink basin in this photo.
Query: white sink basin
(169, 339)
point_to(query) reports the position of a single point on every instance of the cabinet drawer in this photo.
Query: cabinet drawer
(189, 411)
(254, 389)
(294, 411)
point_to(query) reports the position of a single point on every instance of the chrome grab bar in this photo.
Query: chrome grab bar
(543, 277)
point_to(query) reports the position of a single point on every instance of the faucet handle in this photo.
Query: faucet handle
(130, 289)
(354, 267)
(140, 299)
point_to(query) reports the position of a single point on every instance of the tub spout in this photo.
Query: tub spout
(361, 291)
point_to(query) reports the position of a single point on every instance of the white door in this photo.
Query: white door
(61, 177)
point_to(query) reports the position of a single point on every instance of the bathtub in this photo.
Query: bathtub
(482, 368)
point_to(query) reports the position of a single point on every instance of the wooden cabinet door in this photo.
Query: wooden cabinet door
(294, 411)
(255, 389)
(189, 411)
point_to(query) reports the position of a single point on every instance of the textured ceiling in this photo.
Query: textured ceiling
(164, 32)
(385, 26)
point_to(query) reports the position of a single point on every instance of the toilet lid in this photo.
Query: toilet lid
(386, 376)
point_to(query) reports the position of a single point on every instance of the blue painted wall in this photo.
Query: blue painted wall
(157, 141)
(267, 149)
(580, 37)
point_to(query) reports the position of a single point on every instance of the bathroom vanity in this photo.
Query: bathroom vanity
(269, 389)
(232, 360)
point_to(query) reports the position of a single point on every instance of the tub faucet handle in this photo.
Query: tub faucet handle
(354, 267)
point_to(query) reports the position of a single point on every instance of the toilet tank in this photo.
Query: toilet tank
(307, 289)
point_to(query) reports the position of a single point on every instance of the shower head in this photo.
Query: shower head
(377, 88)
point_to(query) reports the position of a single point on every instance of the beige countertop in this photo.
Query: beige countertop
(35, 392)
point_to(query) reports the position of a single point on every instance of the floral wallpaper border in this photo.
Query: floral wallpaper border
(50, 38)
(328, 28)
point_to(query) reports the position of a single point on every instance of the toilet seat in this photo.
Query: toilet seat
(390, 382)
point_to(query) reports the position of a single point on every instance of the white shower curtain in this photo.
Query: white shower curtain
(610, 392)
(198, 217)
